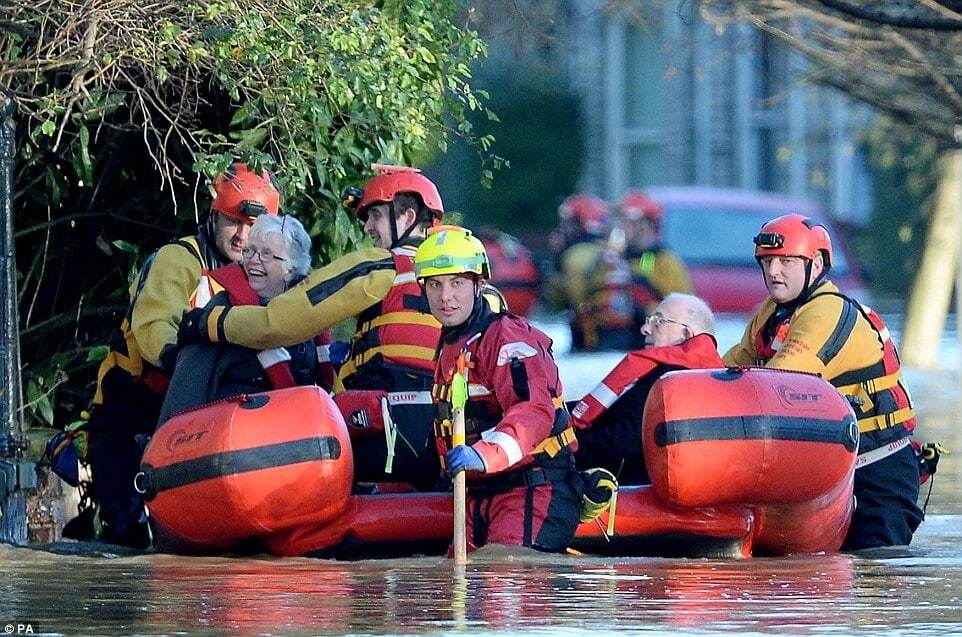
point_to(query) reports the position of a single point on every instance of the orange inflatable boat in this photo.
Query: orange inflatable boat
(743, 462)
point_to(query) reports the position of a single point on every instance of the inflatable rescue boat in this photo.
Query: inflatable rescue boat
(742, 462)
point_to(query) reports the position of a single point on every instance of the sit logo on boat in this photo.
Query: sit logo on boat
(181, 437)
(795, 398)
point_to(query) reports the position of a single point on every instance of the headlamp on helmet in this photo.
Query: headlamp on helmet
(793, 235)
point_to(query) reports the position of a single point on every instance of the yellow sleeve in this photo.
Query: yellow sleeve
(670, 275)
(743, 354)
(156, 314)
(339, 290)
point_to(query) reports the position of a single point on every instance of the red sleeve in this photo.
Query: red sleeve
(526, 421)
(324, 374)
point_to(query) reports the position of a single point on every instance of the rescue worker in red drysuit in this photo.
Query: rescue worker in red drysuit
(522, 487)
(133, 377)
(608, 420)
(277, 256)
(807, 325)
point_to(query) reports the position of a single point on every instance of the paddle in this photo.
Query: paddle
(459, 396)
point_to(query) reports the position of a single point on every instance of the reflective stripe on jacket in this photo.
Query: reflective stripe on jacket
(514, 403)
(400, 331)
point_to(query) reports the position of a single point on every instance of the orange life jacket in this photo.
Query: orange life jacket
(399, 331)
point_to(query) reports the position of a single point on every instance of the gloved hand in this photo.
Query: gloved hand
(463, 458)
(338, 351)
(193, 327)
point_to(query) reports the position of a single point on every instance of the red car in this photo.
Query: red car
(711, 229)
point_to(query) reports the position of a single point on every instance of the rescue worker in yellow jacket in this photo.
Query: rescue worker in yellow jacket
(577, 245)
(807, 325)
(133, 378)
(635, 272)
(384, 385)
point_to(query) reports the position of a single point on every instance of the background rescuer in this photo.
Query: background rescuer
(522, 486)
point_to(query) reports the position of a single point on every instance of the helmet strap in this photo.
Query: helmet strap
(405, 237)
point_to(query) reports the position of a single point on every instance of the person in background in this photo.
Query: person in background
(277, 256)
(522, 486)
(634, 273)
(807, 325)
(133, 378)
(577, 246)
(608, 420)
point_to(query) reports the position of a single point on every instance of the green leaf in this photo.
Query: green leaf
(124, 246)
(87, 165)
(48, 128)
(97, 353)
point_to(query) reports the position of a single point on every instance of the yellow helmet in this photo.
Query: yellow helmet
(451, 250)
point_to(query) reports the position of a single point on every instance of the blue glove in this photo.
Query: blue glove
(463, 458)
(338, 351)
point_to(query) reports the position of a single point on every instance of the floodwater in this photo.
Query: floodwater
(905, 591)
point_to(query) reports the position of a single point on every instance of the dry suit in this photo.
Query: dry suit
(529, 494)
(133, 379)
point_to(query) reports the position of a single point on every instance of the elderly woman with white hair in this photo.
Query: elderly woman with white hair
(276, 257)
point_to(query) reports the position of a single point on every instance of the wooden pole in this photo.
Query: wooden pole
(460, 496)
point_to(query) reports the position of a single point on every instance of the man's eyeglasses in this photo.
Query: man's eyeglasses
(265, 254)
(657, 320)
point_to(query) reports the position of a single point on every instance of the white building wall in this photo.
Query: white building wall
(730, 110)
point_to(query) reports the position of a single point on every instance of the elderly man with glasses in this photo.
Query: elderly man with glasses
(678, 335)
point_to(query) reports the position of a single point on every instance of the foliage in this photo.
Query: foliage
(899, 57)
(904, 176)
(126, 105)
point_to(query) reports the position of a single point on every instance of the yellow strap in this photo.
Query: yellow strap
(212, 320)
(873, 385)
(389, 351)
(551, 446)
(400, 318)
(884, 421)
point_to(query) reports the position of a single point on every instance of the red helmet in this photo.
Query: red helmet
(589, 211)
(793, 235)
(243, 194)
(394, 180)
(637, 205)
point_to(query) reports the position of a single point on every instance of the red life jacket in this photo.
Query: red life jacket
(698, 352)
(399, 330)
(879, 385)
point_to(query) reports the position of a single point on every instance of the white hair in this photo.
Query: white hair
(697, 315)
(296, 240)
